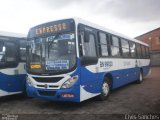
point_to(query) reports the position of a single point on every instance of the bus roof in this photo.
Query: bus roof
(79, 20)
(11, 34)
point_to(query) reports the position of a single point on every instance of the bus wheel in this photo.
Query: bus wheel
(140, 79)
(105, 90)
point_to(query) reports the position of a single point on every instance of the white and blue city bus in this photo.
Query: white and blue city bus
(74, 60)
(12, 61)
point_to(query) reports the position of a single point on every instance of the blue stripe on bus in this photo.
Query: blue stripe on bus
(12, 83)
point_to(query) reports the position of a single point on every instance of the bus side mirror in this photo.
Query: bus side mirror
(86, 37)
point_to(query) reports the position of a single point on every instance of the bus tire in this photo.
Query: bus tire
(105, 89)
(140, 79)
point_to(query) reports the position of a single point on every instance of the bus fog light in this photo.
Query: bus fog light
(70, 82)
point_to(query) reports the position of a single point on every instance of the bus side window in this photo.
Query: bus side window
(23, 44)
(115, 47)
(139, 51)
(132, 49)
(103, 42)
(11, 52)
(89, 46)
(143, 51)
(147, 52)
(146, 55)
(125, 48)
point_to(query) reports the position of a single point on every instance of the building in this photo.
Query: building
(152, 38)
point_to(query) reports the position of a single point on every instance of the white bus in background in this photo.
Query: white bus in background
(74, 60)
(12, 63)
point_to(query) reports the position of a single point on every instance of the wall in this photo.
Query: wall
(152, 38)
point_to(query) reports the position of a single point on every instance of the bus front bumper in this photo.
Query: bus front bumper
(70, 94)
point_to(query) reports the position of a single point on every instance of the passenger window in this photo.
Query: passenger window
(139, 52)
(115, 41)
(143, 51)
(147, 52)
(132, 49)
(103, 44)
(11, 52)
(125, 48)
(115, 49)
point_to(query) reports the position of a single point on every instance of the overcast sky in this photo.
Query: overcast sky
(129, 17)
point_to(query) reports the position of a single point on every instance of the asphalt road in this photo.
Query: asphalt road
(130, 99)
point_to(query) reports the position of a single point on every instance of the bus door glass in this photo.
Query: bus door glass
(88, 56)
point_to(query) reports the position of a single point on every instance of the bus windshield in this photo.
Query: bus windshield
(52, 53)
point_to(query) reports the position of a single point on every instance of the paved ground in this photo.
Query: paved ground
(133, 98)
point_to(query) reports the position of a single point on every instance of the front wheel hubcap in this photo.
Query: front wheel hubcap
(105, 89)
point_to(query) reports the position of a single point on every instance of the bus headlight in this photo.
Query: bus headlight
(29, 82)
(70, 82)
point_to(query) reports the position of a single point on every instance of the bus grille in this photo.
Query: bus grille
(47, 93)
(48, 79)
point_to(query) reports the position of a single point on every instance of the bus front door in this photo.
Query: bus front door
(88, 58)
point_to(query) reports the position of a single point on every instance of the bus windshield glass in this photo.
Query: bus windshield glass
(52, 53)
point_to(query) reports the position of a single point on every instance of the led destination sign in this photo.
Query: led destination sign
(52, 28)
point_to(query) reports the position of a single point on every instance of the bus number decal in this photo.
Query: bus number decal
(106, 64)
